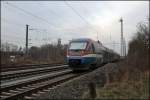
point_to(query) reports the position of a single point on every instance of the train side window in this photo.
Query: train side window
(89, 48)
(93, 49)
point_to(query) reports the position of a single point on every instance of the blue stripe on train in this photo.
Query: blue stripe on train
(84, 60)
(88, 60)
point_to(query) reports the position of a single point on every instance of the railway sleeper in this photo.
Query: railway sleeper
(40, 92)
(25, 88)
(34, 94)
(20, 89)
(28, 98)
(46, 90)
(32, 86)
(6, 93)
(13, 91)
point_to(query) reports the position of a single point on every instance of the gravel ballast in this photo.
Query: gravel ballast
(75, 88)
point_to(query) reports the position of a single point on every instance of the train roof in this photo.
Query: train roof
(88, 39)
(81, 39)
(84, 40)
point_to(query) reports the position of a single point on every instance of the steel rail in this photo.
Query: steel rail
(24, 82)
(22, 73)
(22, 67)
(38, 87)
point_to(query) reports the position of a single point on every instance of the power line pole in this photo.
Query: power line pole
(124, 42)
(27, 28)
(121, 20)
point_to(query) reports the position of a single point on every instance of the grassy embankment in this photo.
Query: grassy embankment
(133, 85)
(133, 79)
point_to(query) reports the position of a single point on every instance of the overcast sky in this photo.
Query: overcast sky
(50, 20)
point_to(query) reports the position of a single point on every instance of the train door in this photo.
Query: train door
(99, 55)
(93, 52)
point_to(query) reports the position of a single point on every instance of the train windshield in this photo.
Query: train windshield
(78, 45)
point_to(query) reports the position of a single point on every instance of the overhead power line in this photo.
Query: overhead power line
(81, 17)
(58, 16)
(76, 12)
(14, 6)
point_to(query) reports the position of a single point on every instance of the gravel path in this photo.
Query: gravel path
(74, 89)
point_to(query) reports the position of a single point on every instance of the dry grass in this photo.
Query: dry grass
(28, 60)
(128, 89)
(129, 82)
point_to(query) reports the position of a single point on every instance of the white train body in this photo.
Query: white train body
(86, 53)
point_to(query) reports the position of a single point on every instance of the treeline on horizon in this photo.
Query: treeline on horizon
(48, 53)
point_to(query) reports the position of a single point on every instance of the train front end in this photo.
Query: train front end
(80, 55)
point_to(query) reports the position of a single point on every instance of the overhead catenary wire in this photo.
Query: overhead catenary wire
(58, 16)
(26, 12)
(29, 13)
(76, 12)
(81, 17)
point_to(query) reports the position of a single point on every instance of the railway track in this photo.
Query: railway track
(21, 84)
(5, 68)
(28, 88)
(10, 75)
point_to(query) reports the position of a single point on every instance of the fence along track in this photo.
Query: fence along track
(23, 73)
(25, 88)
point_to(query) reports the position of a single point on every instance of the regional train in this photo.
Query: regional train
(85, 53)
